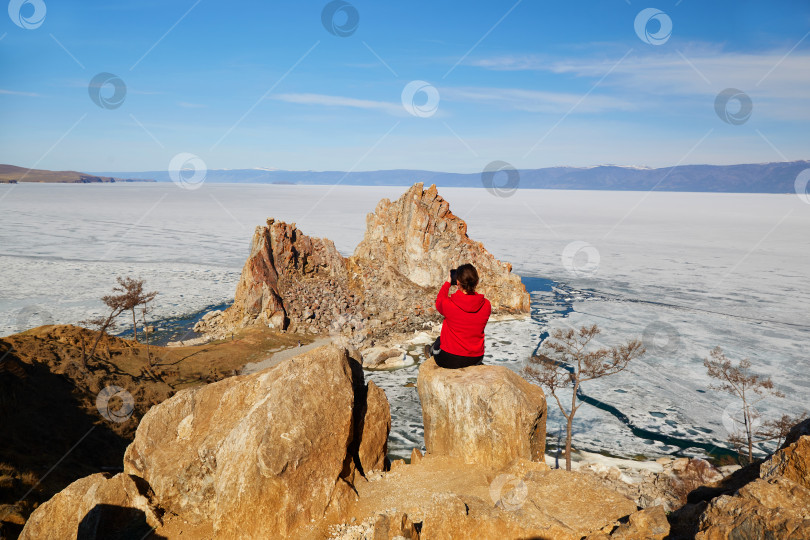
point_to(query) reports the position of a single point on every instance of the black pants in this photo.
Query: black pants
(453, 361)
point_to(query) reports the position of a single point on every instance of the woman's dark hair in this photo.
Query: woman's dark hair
(467, 278)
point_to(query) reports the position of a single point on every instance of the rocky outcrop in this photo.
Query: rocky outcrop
(295, 282)
(792, 463)
(447, 498)
(652, 486)
(289, 278)
(774, 505)
(481, 414)
(761, 509)
(254, 456)
(419, 239)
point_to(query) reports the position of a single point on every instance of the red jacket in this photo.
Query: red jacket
(465, 316)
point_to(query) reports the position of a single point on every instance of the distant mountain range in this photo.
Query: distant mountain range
(751, 178)
(10, 174)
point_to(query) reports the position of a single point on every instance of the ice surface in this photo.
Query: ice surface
(705, 269)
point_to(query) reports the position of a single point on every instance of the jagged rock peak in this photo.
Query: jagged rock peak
(294, 281)
(420, 237)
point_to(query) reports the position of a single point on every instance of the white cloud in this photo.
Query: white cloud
(538, 101)
(187, 105)
(16, 93)
(394, 109)
(775, 80)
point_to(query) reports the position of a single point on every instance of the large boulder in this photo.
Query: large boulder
(774, 505)
(255, 456)
(95, 506)
(481, 414)
(296, 282)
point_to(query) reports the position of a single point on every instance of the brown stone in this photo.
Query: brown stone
(96, 506)
(482, 414)
(375, 427)
(792, 462)
(262, 455)
(775, 505)
(421, 239)
(394, 526)
(452, 500)
(762, 509)
(649, 524)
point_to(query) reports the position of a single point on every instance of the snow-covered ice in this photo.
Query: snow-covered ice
(686, 271)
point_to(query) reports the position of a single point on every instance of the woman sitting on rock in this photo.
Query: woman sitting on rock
(466, 313)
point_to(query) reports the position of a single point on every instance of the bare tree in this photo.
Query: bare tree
(134, 297)
(751, 388)
(117, 304)
(569, 362)
(779, 428)
(144, 310)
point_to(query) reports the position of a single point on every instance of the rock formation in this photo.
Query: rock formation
(96, 506)
(451, 499)
(481, 414)
(419, 239)
(768, 499)
(298, 451)
(254, 456)
(299, 283)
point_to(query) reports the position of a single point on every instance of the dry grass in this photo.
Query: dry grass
(698, 473)
(29, 478)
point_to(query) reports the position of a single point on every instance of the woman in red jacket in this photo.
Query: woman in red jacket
(466, 313)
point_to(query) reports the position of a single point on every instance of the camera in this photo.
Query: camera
(453, 276)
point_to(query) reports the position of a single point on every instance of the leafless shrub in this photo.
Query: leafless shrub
(568, 363)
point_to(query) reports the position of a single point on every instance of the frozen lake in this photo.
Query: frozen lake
(686, 271)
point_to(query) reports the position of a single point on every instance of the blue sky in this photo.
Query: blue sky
(536, 84)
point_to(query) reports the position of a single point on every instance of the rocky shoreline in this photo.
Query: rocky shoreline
(298, 451)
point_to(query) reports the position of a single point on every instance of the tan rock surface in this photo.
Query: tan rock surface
(792, 463)
(761, 509)
(376, 423)
(263, 455)
(649, 524)
(419, 238)
(481, 414)
(775, 505)
(453, 499)
(284, 273)
(96, 506)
